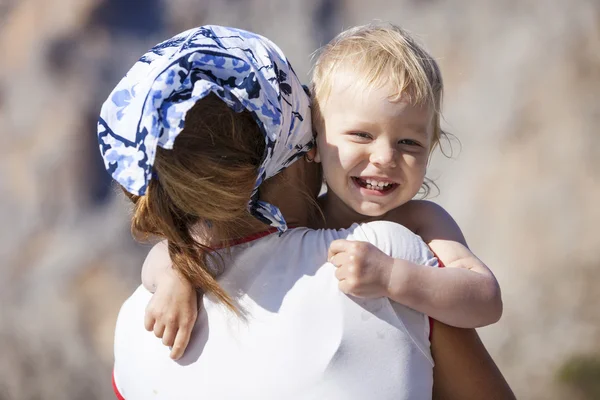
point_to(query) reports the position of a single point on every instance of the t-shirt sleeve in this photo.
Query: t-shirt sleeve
(397, 241)
(129, 340)
(116, 388)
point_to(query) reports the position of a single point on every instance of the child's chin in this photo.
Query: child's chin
(373, 212)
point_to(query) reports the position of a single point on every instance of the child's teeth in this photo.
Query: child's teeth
(373, 184)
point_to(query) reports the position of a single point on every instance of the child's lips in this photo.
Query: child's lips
(373, 186)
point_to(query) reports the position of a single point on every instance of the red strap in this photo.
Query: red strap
(115, 388)
(250, 238)
(431, 320)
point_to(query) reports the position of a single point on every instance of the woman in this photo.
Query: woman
(292, 333)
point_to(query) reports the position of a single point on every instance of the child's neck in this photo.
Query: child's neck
(338, 215)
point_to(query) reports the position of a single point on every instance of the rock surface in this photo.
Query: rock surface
(523, 98)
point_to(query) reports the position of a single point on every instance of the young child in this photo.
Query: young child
(376, 111)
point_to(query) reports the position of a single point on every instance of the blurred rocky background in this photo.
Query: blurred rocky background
(523, 99)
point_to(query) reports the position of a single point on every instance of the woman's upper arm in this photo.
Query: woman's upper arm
(463, 367)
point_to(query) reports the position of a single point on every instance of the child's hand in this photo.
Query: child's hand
(362, 269)
(172, 312)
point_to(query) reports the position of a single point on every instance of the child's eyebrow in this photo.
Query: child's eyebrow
(354, 123)
(419, 129)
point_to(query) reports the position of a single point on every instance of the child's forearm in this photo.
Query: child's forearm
(157, 263)
(455, 296)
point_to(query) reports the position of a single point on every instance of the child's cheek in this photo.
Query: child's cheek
(345, 157)
(415, 160)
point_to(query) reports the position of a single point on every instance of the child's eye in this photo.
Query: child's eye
(409, 142)
(361, 135)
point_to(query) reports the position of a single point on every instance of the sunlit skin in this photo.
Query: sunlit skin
(374, 152)
(368, 137)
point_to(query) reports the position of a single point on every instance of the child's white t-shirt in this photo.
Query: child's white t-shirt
(300, 336)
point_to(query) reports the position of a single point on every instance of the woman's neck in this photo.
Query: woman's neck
(292, 204)
(290, 192)
(210, 235)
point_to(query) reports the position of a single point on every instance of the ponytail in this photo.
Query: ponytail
(207, 176)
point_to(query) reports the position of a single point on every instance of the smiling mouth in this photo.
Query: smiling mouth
(372, 184)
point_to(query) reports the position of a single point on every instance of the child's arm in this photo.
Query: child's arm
(172, 311)
(465, 294)
(456, 296)
(157, 262)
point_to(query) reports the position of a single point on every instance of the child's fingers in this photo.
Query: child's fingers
(181, 341)
(340, 273)
(159, 329)
(337, 246)
(344, 286)
(169, 334)
(149, 321)
(339, 259)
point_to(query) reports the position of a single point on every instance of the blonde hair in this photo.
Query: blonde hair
(207, 178)
(383, 55)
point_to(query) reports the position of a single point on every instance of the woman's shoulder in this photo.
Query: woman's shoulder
(383, 227)
(393, 239)
(131, 307)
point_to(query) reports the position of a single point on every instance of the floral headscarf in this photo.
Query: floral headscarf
(247, 71)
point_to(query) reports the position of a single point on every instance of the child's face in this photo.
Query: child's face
(374, 151)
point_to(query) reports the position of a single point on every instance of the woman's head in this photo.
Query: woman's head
(212, 168)
(194, 129)
(147, 109)
(192, 188)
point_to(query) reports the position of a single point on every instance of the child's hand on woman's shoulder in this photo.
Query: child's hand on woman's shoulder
(361, 268)
(172, 311)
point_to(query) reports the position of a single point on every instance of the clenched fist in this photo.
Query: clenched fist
(362, 269)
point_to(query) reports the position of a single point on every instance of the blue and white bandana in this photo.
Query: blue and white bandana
(247, 71)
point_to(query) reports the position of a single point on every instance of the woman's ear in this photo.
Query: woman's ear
(317, 155)
(313, 155)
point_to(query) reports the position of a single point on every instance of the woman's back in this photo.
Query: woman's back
(299, 337)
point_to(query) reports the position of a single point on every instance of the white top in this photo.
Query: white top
(301, 337)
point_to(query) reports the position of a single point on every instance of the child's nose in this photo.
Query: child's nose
(384, 157)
